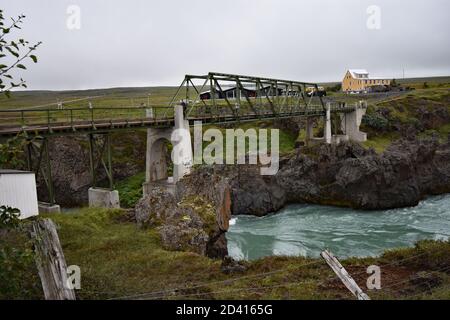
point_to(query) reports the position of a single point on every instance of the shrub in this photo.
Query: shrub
(336, 88)
(375, 121)
(9, 217)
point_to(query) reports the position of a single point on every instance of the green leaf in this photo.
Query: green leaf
(14, 45)
(3, 66)
(21, 66)
(34, 58)
(12, 52)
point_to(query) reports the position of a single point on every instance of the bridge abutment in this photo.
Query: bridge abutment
(351, 121)
(156, 156)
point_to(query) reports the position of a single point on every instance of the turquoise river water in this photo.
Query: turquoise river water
(306, 229)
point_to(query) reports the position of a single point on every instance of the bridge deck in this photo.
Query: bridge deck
(49, 126)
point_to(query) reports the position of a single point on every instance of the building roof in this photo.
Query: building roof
(226, 89)
(12, 171)
(354, 72)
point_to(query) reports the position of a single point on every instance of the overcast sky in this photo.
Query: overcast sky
(147, 43)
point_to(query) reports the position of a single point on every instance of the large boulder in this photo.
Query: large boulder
(191, 224)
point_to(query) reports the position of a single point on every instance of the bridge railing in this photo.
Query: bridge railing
(72, 117)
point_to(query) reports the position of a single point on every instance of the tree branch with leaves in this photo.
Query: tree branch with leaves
(13, 54)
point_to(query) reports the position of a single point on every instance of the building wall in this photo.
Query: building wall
(352, 84)
(18, 190)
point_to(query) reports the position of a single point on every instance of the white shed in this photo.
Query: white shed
(18, 190)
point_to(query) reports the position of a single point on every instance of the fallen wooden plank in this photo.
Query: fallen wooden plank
(50, 261)
(346, 279)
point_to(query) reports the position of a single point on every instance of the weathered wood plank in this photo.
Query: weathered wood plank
(50, 261)
(346, 279)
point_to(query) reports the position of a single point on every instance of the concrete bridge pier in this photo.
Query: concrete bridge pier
(351, 121)
(103, 198)
(156, 161)
(327, 126)
(327, 136)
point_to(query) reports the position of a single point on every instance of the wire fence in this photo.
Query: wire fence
(176, 292)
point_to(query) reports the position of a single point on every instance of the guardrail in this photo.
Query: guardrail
(72, 119)
(76, 116)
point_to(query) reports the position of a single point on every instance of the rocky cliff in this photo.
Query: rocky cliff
(344, 175)
(348, 175)
(69, 156)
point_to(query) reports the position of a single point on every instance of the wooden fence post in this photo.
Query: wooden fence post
(346, 279)
(50, 261)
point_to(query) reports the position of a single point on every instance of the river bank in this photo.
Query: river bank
(119, 260)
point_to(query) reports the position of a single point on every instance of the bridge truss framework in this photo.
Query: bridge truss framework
(270, 96)
(255, 98)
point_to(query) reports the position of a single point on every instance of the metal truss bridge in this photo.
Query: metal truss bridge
(215, 98)
(220, 98)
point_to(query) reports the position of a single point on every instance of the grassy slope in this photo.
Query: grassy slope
(112, 97)
(117, 259)
(130, 190)
(403, 111)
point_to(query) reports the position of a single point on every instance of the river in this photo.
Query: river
(307, 229)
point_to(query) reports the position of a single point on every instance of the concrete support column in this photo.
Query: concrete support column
(149, 113)
(155, 160)
(103, 198)
(351, 121)
(327, 125)
(309, 131)
(182, 155)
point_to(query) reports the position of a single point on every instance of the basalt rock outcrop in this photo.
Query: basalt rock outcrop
(250, 192)
(69, 158)
(348, 175)
(343, 175)
(195, 223)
